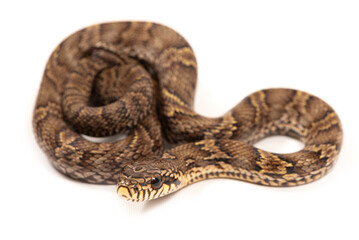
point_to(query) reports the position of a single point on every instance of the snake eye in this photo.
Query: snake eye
(156, 181)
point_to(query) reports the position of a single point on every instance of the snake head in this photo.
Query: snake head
(150, 179)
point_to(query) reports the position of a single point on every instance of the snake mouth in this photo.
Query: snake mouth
(125, 193)
(127, 190)
(133, 194)
(132, 190)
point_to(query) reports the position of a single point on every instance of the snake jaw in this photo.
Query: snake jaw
(131, 189)
(124, 192)
(127, 188)
(135, 193)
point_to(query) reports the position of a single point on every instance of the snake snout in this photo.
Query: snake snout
(127, 190)
(124, 192)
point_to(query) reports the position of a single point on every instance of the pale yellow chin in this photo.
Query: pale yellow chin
(124, 192)
(130, 194)
(138, 193)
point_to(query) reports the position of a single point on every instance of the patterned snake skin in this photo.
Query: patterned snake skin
(139, 78)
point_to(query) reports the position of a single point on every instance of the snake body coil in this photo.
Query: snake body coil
(139, 78)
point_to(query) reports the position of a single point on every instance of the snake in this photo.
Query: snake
(136, 81)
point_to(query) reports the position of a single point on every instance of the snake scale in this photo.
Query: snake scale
(139, 79)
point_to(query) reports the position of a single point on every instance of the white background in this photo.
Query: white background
(241, 47)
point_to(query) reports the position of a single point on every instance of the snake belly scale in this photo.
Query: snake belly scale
(139, 78)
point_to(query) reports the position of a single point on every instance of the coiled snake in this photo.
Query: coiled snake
(139, 78)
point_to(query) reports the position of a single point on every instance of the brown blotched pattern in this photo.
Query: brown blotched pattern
(139, 78)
